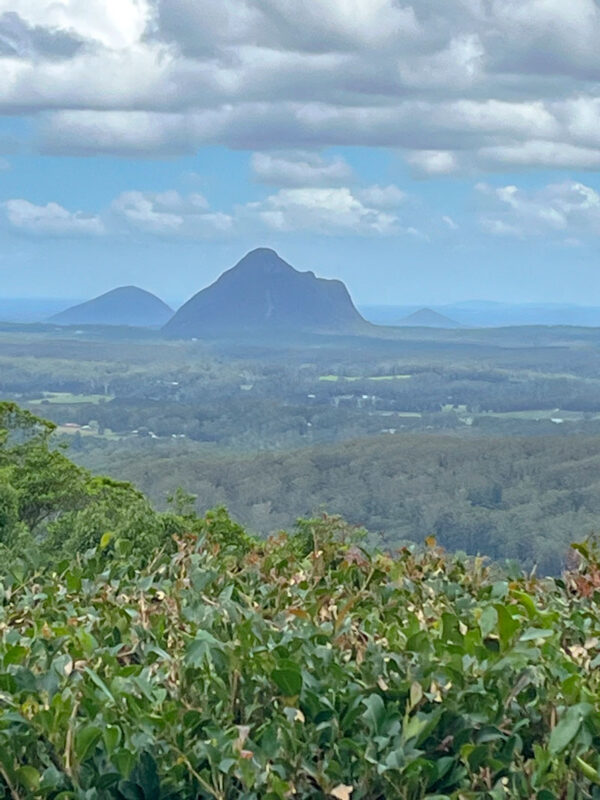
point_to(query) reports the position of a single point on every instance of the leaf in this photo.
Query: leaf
(106, 540)
(488, 621)
(582, 549)
(131, 791)
(565, 731)
(85, 740)
(507, 625)
(146, 776)
(590, 773)
(288, 678)
(112, 738)
(29, 777)
(535, 633)
(342, 792)
(416, 694)
(526, 601)
(199, 649)
(99, 683)
(375, 713)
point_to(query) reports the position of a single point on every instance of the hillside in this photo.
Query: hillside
(427, 318)
(126, 305)
(154, 656)
(263, 293)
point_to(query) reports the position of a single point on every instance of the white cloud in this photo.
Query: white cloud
(457, 85)
(170, 214)
(114, 23)
(381, 196)
(201, 26)
(299, 169)
(539, 153)
(433, 162)
(128, 133)
(325, 211)
(50, 220)
(563, 209)
(450, 223)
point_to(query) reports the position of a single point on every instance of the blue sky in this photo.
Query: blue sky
(424, 152)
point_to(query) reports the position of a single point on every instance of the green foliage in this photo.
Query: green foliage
(51, 508)
(229, 669)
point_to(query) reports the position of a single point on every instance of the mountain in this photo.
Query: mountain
(263, 293)
(127, 305)
(426, 318)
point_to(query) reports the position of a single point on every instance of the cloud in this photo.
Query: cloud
(51, 220)
(381, 196)
(328, 211)
(450, 223)
(299, 169)
(539, 153)
(128, 133)
(170, 214)
(22, 40)
(433, 162)
(565, 210)
(358, 211)
(458, 86)
(203, 26)
(112, 23)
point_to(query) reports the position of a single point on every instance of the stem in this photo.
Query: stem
(11, 789)
(69, 741)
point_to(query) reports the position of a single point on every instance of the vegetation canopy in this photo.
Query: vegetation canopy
(199, 662)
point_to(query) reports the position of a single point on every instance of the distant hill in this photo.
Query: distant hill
(263, 293)
(127, 305)
(426, 318)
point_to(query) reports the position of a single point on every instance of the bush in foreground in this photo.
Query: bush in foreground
(300, 667)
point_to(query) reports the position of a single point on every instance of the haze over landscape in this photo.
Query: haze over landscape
(299, 400)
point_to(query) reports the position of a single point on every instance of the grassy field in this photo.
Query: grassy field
(66, 398)
(334, 378)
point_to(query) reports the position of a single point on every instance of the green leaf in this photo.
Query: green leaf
(85, 740)
(566, 729)
(112, 738)
(99, 683)
(288, 678)
(535, 633)
(507, 625)
(146, 776)
(416, 694)
(199, 649)
(590, 773)
(131, 791)
(106, 540)
(526, 601)
(488, 621)
(29, 777)
(375, 713)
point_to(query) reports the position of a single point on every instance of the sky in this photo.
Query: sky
(424, 152)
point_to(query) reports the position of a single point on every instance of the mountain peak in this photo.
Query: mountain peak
(263, 259)
(124, 305)
(262, 293)
(427, 318)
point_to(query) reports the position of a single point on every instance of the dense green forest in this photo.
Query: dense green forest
(506, 497)
(168, 655)
(486, 439)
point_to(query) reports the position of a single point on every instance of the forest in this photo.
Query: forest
(149, 654)
(486, 439)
